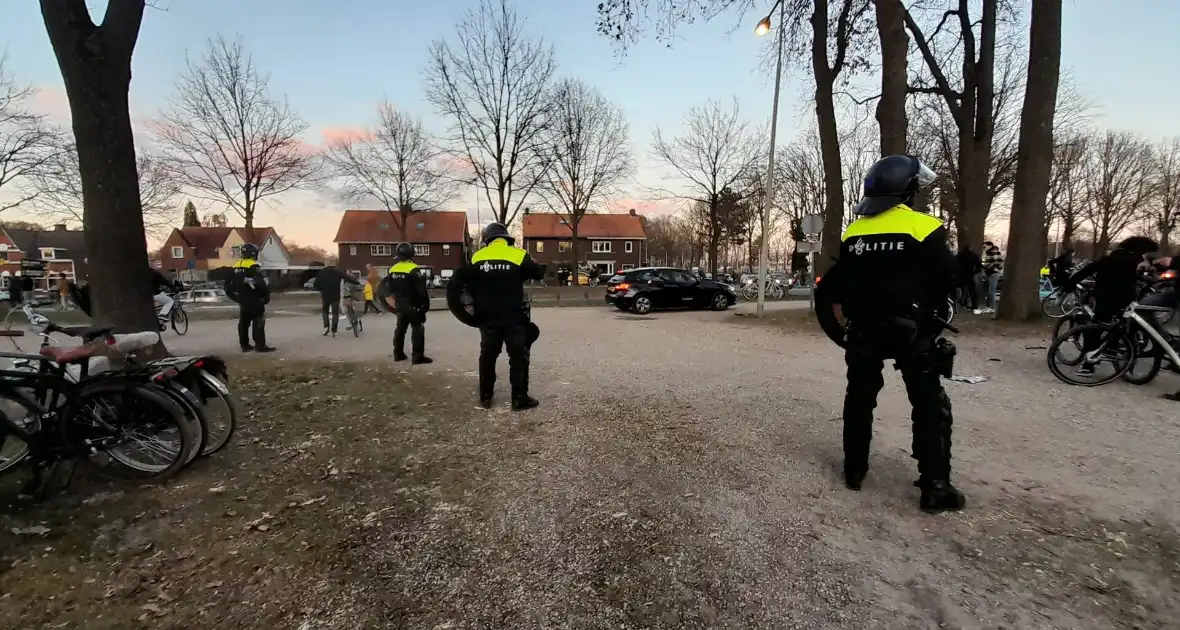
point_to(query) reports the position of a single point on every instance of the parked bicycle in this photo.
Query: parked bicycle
(774, 290)
(1117, 345)
(119, 422)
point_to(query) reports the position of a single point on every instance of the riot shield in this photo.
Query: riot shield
(826, 292)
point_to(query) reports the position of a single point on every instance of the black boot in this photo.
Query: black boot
(854, 477)
(521, 403)
(940, 496)
(398, 356)
(421, 360)
(485, 403)
(265, 349)
(247, 348)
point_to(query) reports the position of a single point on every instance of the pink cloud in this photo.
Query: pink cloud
(52, 102)
(336, 135)
(647, 208)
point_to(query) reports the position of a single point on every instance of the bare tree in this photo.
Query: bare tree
(27, 141)
(971, 106)
(1067, 194)
(226, 139)
(1026, 241)
(588, 153)
(1165, 178)
(215, 219)
(892, 123)
(1118, 184)
(493, 86)
(60, 198)
(95, 63)
(714, 152)
(397, 165)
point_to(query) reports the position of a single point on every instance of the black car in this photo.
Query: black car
(646, 289)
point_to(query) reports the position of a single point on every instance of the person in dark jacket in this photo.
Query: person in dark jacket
(1060, 266)
(970, 265)
(248, 288)
(411, 301)
(1116, 284)
(328, 283)
(494, 281)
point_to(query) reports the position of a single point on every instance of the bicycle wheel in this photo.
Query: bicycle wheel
(1149, 359)
(1052, 305)
(750, 292)
(190, 403)
(776, 291)
(14, 450)
(179, 321)
(1112, 355)
(221, 412)
(124, 429)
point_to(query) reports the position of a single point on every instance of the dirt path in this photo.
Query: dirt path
(682, 472)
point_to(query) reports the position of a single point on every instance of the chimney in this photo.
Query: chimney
(60, 227)
(632, 212)
(526, 211)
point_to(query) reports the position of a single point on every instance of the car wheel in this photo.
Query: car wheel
(720, 302)
(641, 305)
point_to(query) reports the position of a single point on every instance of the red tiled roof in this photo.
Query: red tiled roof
(591, 226)
(378, 226)
(206, 239)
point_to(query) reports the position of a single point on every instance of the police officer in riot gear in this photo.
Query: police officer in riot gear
(248, 288)
(891, 284)
(411, 301)
(494, 281)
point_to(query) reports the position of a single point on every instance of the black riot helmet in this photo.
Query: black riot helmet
(405, 251)
(494, 231)
(250, 251)
(892, 180)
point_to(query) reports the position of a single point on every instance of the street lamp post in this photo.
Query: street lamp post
(762, 29)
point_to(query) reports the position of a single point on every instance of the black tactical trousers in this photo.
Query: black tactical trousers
(330, 309)
(513, 337)
(931, 416)
(416, 322)
(252, 319)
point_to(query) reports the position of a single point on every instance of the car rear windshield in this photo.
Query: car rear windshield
(618, 278)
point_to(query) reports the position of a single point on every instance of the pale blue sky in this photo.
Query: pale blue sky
(335, 60)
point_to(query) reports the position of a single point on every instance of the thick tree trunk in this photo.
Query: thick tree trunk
(895, 43)
(829, 139)
(95, 63)
(573, 248)
(1034, 163)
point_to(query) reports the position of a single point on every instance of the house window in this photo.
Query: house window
(564, 246)
(178, 252)
(540, 247)
(627, 247)
(600, 247)
(47, 253)
(628, 266)
(217, 252)
(381, 250)
(352, 250)
(421, 250)
(446, 248)
(235, 251)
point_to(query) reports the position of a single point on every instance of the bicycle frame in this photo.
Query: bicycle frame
(1151, 330)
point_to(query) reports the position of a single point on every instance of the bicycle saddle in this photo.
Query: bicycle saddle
(85, 333)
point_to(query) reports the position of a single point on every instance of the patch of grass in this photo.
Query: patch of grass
(252, 537)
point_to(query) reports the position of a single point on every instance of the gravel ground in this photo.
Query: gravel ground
(683, 472)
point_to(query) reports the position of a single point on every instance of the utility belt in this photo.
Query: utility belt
(913, 335)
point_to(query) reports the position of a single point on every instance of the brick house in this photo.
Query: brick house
(441, 240)
(611, 242)
(190, 253)
(63, 251)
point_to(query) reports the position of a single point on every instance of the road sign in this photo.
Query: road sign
(806, 247)
(812, 224)
(32, 268)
